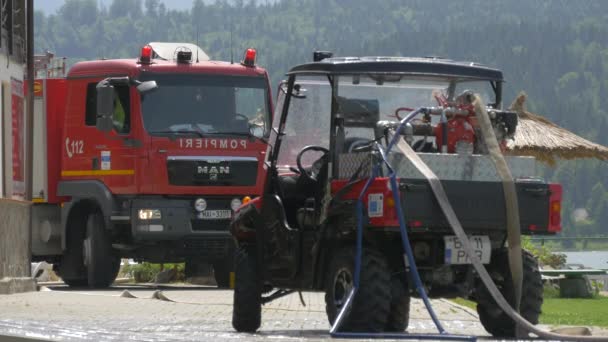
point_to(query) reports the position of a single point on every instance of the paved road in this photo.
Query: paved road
(196, 313)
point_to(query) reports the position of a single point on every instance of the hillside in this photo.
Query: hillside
(557, 51)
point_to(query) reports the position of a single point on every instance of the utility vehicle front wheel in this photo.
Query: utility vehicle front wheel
(372, 303)
(399, 316)
(493, 319)
(247, 305)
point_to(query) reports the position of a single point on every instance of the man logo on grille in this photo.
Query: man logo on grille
(213, 171)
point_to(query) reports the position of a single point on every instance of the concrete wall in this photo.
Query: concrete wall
(15, 267)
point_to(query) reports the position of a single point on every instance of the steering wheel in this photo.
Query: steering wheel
(316, 166)
(241, 116)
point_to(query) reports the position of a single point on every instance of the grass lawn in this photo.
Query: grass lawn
(567, 311)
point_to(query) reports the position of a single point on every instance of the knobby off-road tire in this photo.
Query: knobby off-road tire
(372, 303)
(494, 320)
(101, 261)
(247, 305)
(399, 316)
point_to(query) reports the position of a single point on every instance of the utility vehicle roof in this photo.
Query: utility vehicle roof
(423, 66)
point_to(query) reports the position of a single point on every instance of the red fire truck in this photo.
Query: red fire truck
(147, 159)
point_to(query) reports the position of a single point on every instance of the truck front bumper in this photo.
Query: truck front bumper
(174, 219)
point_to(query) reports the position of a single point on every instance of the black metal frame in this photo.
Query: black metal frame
(397, 65)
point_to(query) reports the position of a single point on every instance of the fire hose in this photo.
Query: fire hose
(513, 229)
(513, 232)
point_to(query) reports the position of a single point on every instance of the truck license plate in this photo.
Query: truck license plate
(455, 253)
(215, 214)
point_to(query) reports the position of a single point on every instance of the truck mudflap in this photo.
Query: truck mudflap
(478, 205)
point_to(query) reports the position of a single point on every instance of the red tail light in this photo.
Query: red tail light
(555, 208)
(414, 224)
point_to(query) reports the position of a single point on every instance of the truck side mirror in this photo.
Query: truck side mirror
(146, 86)
(105, 106)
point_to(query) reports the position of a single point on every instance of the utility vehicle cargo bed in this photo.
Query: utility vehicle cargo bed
(478, 205)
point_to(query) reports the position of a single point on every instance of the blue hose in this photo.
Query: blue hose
(443, 335)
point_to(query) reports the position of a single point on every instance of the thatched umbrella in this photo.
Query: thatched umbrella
(538, 137)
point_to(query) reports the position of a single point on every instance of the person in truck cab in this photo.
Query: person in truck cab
(121, 101)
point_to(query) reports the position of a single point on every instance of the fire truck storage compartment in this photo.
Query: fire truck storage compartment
(49, 104)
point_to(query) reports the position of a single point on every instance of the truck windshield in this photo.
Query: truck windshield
(206, 105)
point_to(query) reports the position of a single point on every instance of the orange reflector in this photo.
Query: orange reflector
(246, 199)
(556, 206)
(390, 202)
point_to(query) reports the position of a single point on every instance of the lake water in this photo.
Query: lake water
(591, 259)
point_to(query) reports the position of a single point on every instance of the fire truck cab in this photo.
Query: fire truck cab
(148, 159)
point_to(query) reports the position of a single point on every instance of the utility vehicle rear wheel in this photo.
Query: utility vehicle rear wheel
(372, 303)
(247, 305)
(100, 259)
(494, 320)
(399, 316)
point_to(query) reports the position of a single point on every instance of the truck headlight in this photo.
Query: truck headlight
(200, 205)
(235, 204)
(149, 214)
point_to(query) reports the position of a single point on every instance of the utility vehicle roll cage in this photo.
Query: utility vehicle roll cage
(379, 67)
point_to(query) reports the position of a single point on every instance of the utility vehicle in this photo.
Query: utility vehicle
(331, 117)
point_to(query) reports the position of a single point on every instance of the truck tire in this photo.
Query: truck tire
(196, 268)
(221, 272)
(101, 261)
(222, 268)
(399, 316)
(247, 305)
(372, 303)
(71, 266)
(493, 319)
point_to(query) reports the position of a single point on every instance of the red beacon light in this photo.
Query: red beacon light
(249, 59)
(146, 54)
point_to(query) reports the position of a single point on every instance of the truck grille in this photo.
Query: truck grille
(212, 171)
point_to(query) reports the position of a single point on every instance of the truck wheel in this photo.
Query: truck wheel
(196, 268)
(399, 316)
(372, 303)
(100, 259)
(221, 272)
(71, 267)
(493, 319)
(247, 305)
(222, 268)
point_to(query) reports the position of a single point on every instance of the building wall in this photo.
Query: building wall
(12, 70)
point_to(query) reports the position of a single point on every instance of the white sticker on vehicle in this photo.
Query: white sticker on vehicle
(106, 160)
(375, 205)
